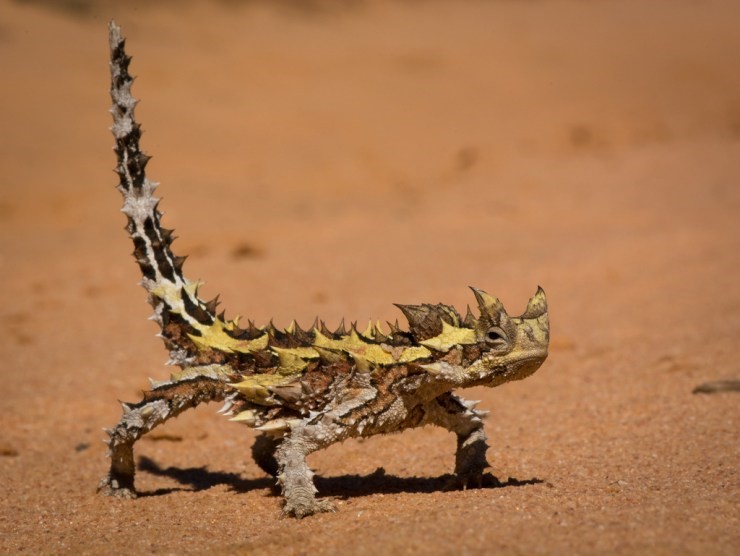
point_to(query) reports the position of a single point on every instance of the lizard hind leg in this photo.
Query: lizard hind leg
(157, 406)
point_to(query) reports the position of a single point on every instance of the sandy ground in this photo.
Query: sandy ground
(331, 158)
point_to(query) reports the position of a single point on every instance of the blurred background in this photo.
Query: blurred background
(333, 157)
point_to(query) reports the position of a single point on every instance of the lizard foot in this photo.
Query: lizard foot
(303, 508)
(110, 487)
(464, 481)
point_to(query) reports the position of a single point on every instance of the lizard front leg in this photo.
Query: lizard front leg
(458, 416)
(295, 477)
(158, 406)
(343, 419)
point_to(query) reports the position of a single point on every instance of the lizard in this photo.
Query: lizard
(304, 389)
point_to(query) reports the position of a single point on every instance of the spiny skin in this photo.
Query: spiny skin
(305, 389)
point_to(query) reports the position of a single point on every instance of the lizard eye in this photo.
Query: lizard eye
(496, 338)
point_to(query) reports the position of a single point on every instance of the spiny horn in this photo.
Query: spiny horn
(341, 330)
(413, 313)
(487, 304)
(378, 334)
(212, 305)
(537, 306)
(469, 319)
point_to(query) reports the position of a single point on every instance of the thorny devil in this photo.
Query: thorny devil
(305, 389)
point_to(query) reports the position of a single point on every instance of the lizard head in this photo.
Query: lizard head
(511, 348)
(492, 348)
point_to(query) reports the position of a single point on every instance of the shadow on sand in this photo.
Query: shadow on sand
(344, 486)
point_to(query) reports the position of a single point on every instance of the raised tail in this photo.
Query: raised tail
(191, 330)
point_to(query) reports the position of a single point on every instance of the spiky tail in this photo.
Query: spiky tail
(177, 308)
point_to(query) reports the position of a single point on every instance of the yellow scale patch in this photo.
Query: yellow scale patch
(255, 388)
(212, 336)
(293, 361)
(450, 337)
(374, 353)
(215, 337)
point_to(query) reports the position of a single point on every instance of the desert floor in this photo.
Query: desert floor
(330, 158)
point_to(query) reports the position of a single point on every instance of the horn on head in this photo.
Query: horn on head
(488, 305)
(537, 306)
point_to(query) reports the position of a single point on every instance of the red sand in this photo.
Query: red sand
(335, 158)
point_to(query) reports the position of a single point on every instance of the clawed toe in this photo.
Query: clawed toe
(305, 509)
(110, 487)
(465, 481)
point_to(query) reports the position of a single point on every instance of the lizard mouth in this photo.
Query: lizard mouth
(525, 366)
